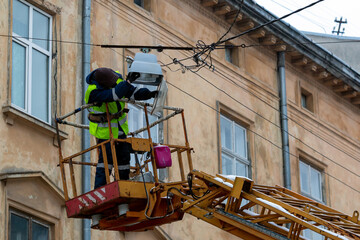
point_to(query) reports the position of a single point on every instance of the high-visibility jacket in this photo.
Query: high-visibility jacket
(119, 125)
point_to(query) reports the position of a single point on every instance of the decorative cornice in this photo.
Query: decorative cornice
(207, 12)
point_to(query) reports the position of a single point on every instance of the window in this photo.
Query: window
(231, 54)
(24, 227)
(311, 186)
(306, 100)
(311, 181)
(234, 152)
(139, 3)
(31, 60)
(313, 235)
(303, 100)
(143, 3)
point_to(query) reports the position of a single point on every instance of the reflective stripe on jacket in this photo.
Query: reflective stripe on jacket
(101, 130)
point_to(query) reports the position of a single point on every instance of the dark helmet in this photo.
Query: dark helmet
(106, 77)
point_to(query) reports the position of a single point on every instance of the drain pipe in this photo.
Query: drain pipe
(284, 119)
(86, 39)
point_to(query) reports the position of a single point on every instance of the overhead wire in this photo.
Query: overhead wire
(204, 50)
(207, 49)
(334, 12)
(202, 45)
(234, 21)
(213, 46)
(190, 57)
(259, 135)
(270, 22)
(280, 147)
(213, 69)
(210, 48)
(278, 126)
(296, 44)
(290, 118)
(308, 19)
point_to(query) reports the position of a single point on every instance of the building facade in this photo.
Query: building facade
(232, 110)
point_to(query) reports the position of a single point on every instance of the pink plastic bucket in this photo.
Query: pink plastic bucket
(162, 156)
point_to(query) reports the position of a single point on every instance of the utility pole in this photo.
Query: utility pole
(339, 22)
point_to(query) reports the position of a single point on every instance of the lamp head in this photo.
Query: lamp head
(150, 70)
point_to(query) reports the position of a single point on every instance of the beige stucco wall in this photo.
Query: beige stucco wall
(331, 142)
(162, 26)
(248, 93)
(26, 146)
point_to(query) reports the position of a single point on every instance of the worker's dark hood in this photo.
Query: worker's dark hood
(103, 78)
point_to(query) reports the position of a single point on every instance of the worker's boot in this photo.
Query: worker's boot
(123, 209)
(124, 174)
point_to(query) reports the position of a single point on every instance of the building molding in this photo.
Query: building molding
(28, 175)
(302, 44)
(319, 127)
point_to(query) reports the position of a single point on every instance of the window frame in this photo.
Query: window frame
(322, 182)
(310, 104)
(30, 46)
(309, 100)
(232, 55)
(304, 100)
(145, 4)
(141, 4)
(31, 219)
(231, 152)
(313, 235)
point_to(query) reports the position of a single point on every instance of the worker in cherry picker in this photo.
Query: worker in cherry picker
(107, 86)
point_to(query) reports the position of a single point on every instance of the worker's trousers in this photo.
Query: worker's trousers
(123, 160)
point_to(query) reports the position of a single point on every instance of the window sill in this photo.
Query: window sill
(13, 114)
(312, 198)
(304, 109)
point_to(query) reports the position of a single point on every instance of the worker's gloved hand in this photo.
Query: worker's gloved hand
(153, 94)
(132, 76)
(145, 94)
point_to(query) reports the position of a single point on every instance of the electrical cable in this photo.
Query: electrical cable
(159, 48)
(190, 57)
(49, 40)
(147, 196)
(290, 118)
(189, 179)
(295, 44)
(255, 133)
(280, 147)
(184, 194)
(208, 49)
(329, 12)
(268, 45)
(271, 105)
(275, 123)
(71, 42)
(213, 69)
(270, 22)
(204, 47)
(232, 24)
(204, 50)
(308, 19)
